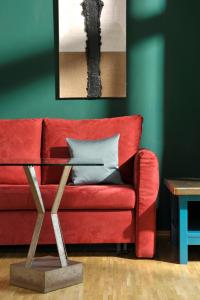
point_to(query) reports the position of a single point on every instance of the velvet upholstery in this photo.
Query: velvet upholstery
(19, 139)
(83, 197)
(88, 214)
(146, 181)
(57, 130)
(79, 227)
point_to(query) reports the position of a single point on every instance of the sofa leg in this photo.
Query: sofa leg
(124, 248)
(121, 248)
(118, 249)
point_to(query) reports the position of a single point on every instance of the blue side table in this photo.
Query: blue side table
(183, 191)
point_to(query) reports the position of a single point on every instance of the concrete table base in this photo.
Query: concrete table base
(46, 274)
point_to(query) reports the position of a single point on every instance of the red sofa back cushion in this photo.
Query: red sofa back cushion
(19, 139)
(55, 132)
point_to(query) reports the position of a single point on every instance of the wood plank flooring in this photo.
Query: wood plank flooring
(110, 277)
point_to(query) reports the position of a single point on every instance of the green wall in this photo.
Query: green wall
(163, 77)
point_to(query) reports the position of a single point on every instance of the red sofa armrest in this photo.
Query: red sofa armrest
(146, 183)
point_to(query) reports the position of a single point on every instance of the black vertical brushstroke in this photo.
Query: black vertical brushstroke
(92, 12)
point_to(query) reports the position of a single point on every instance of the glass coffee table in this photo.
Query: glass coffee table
(45, 274)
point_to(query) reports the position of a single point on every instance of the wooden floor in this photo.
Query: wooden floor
(110, 277)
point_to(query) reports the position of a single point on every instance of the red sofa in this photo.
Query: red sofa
(88, 214)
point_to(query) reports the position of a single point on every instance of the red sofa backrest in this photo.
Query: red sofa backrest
(55, 132)
(19, 139)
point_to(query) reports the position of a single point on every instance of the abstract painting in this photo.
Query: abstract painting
(92, 49)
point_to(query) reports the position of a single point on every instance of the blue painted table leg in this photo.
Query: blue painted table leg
(183, 230)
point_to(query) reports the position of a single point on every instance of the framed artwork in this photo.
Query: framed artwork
(92, 49)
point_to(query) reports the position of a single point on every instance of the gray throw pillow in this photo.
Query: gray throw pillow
(104, 149)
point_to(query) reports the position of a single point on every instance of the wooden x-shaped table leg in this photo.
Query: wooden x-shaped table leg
(32, 179)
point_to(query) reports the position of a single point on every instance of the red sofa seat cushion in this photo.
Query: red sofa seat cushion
(19, 139)
(18, 197)
(55, 132)
(78, 227)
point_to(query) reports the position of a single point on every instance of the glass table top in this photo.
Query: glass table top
(51, 162)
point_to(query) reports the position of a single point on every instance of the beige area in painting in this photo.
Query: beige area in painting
(73, 74)
(113, 74)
